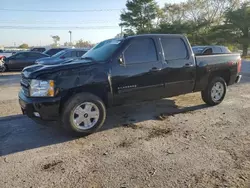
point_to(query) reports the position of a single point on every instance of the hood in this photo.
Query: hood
(39, 69)
(53, 61)
(46, 60)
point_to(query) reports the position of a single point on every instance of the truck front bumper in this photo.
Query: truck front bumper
(47, 109)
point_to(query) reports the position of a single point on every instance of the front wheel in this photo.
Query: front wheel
(215, 91)
(3, 68)
(83, 114)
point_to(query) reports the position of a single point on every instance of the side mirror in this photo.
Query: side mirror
(121, 61)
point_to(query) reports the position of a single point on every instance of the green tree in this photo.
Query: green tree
(195, 18)
(83, 44)
(238, 22)
(56, 39)
(119, 35)
(24, 46)
(68, 44)
(139, 15)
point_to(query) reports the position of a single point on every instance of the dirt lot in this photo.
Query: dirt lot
(177, 142)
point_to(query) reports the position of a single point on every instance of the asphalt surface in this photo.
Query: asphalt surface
(192, 146)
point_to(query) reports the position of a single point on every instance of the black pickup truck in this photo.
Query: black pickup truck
(121, 71)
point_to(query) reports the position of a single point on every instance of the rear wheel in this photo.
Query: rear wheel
(215, 91)
(83, 114)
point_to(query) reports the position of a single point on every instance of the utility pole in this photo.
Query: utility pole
(70, 37)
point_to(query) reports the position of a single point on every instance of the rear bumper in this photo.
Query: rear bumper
(47, 109)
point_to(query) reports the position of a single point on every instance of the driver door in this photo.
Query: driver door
(139, 78)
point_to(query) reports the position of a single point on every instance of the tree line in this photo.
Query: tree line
(204, 22)
(56, 39)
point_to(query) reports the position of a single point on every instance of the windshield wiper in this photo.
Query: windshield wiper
(88, 58)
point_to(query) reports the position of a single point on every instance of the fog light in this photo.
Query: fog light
(36, 114)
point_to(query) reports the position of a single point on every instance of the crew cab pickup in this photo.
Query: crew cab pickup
(120, 71)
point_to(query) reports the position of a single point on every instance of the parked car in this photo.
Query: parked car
(5, 54)
(53, 51)
(210, 50)
(121, 71)
(60, 57)
(20, 60)
(38, 49)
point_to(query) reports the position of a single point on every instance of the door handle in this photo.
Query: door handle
(155, 69)
(188, 65)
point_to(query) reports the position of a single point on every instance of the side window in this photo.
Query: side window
(208, 51)
(20, 55)
(68, 54)
(74, 54)
(174, 48)
(140, 51)
(80, 53)
(34, 55)
(217, 50)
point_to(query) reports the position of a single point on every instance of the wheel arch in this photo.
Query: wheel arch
(225, 74)
(99, 91)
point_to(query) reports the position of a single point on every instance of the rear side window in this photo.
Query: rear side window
(217, 50)
(80, 53)
(73, 53)
(140, 51)
(35, 55)
(174, 48)
(21, 55)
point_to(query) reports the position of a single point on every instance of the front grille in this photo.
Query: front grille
(25, 82)
(25, 91)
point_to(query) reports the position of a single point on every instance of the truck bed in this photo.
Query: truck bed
(212, 64)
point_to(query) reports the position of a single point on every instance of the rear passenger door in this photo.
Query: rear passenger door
(138, 79)
(179, 67)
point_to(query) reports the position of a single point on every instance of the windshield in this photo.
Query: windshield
(58, 54)
(103, 50)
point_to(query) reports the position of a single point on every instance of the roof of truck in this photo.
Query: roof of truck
(155, 35)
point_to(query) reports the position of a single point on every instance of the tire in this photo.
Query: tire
(215, 91)
(86, 107)
(3, 68)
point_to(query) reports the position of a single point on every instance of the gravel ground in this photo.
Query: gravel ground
(176, 142)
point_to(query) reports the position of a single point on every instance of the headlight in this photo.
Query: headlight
(39, 62)
(42, 88)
